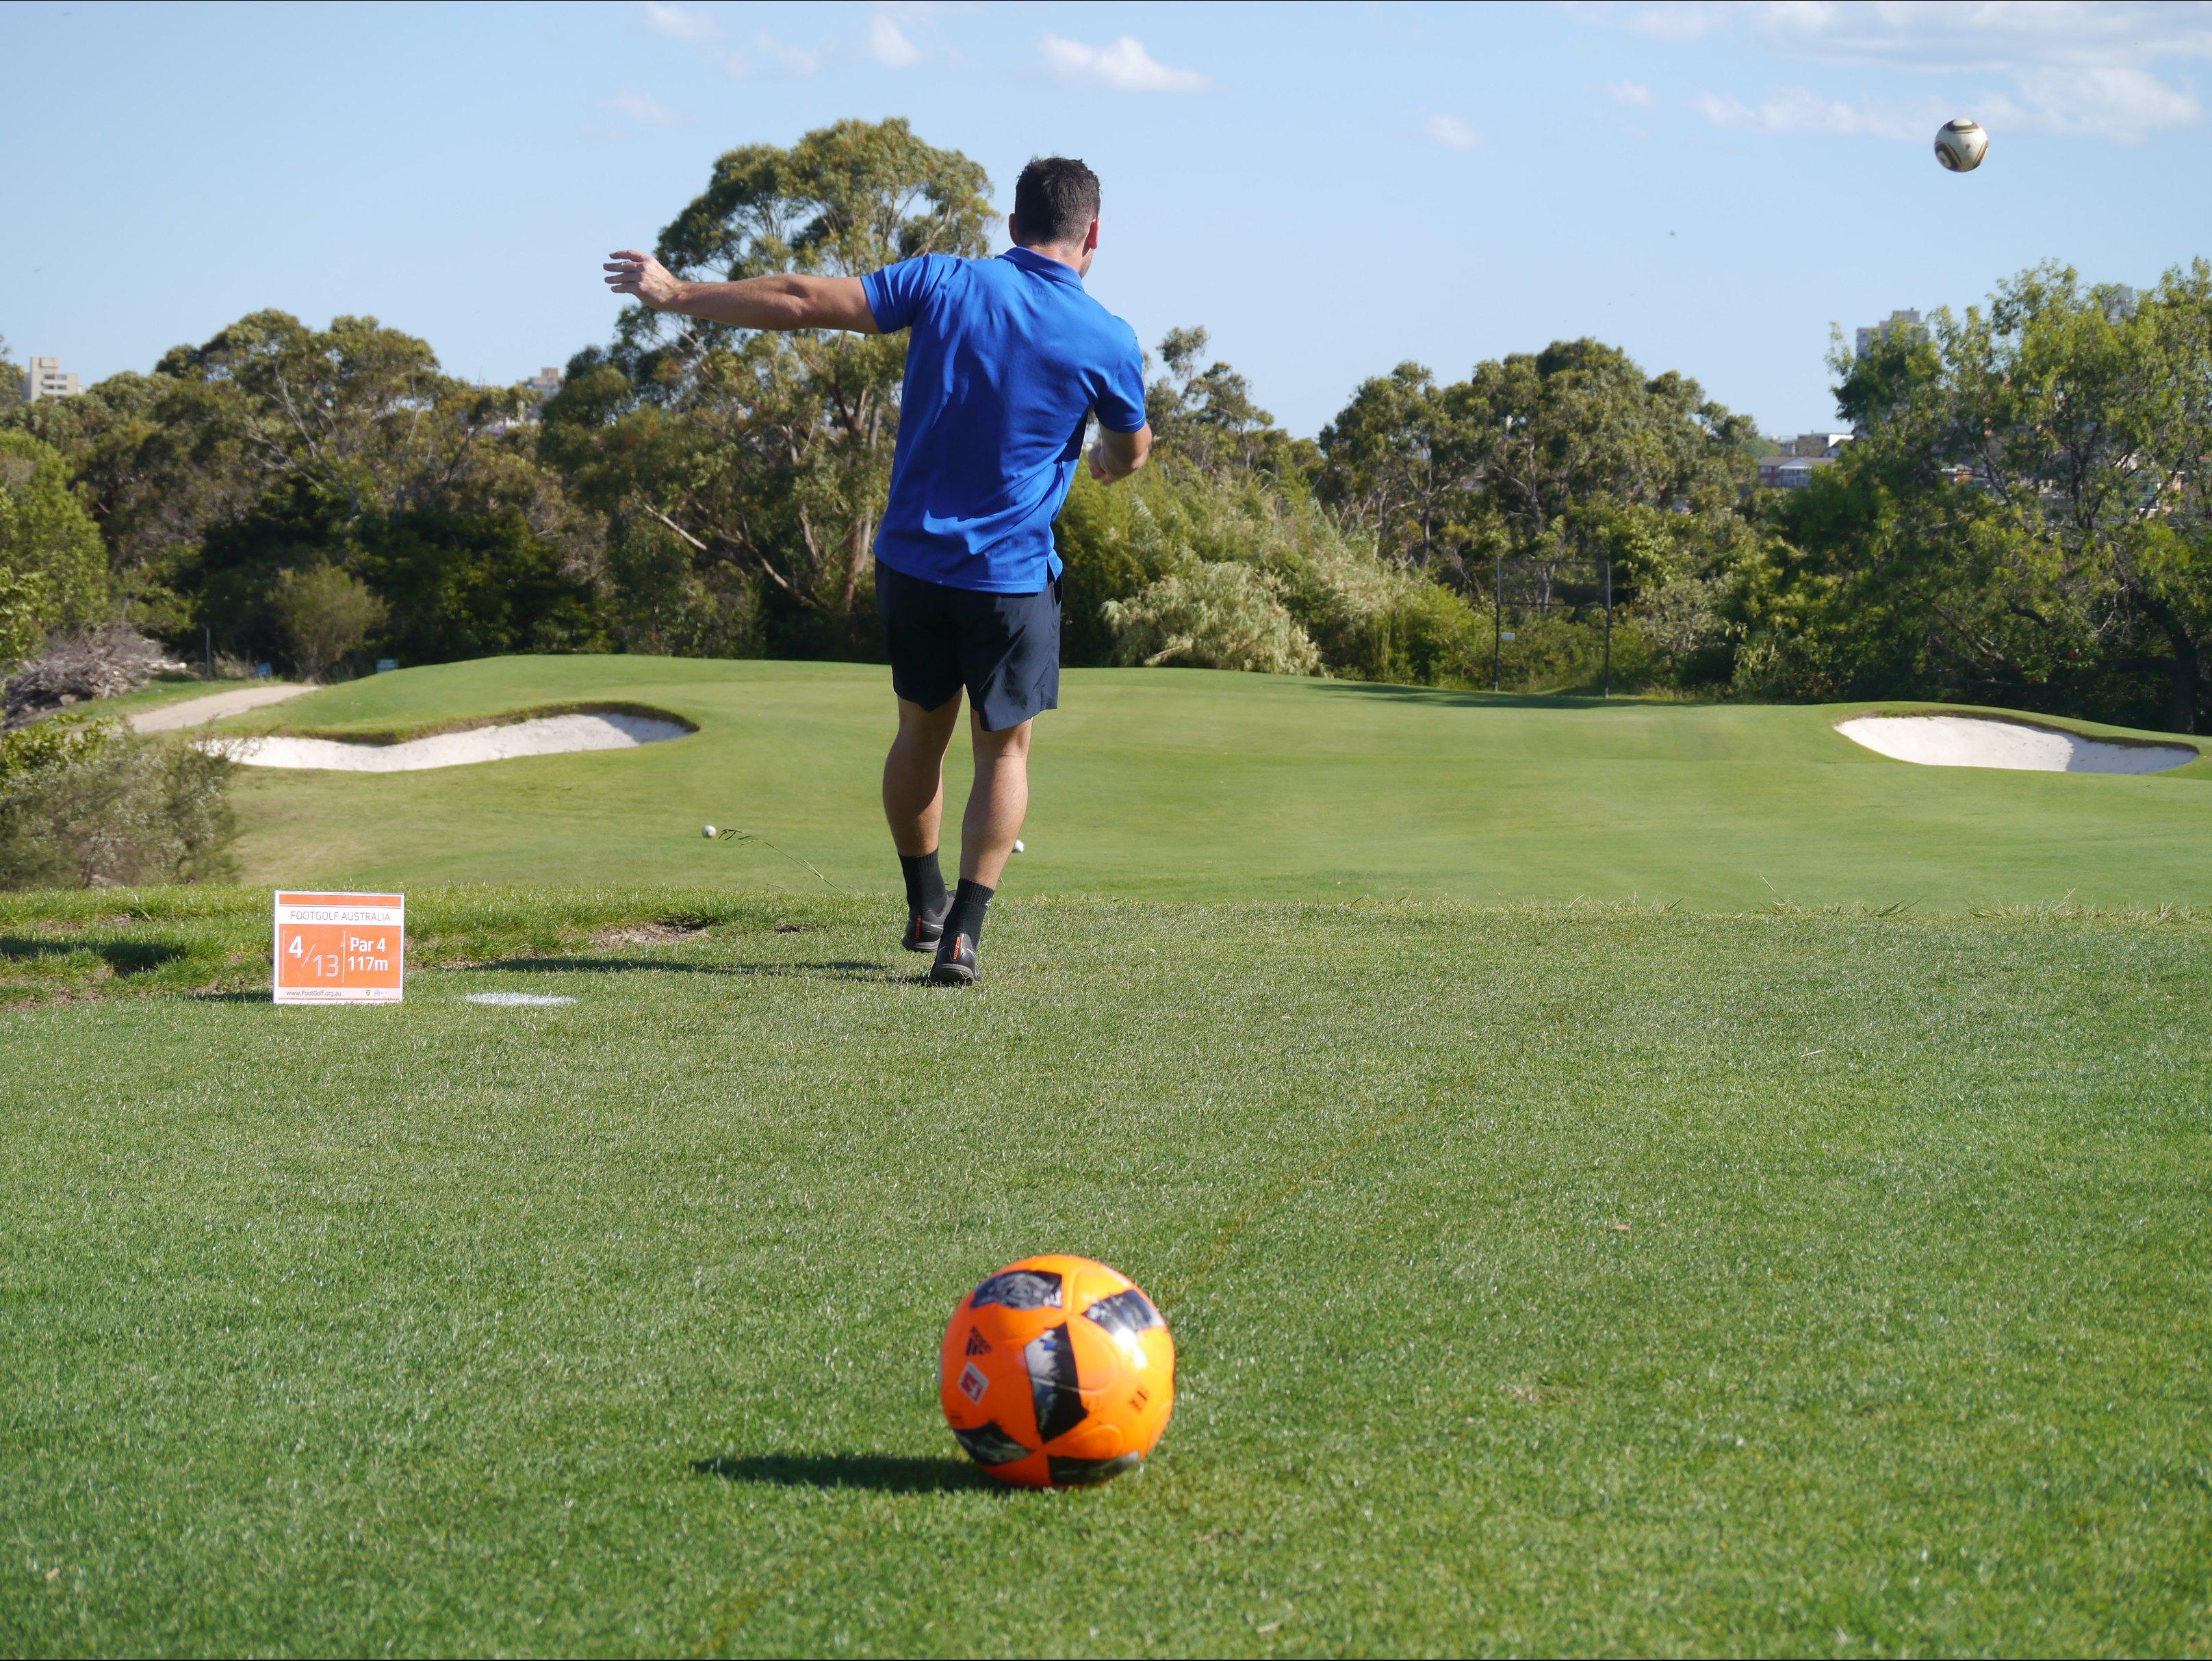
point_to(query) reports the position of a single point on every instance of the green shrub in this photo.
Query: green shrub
(21, 631)
(92, 805)
(325, 614)
(1111, 546)
(1372, 620)
(1211, 616)
(54, 567)
(1148, 543)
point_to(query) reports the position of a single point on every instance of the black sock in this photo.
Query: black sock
(969, 901)
(925, 885)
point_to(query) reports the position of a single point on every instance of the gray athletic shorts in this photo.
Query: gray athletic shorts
(1003, 649)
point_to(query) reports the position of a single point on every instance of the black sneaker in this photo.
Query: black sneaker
(923, 931)
(956, 961)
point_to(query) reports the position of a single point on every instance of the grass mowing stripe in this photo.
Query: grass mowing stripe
(1225, 1239)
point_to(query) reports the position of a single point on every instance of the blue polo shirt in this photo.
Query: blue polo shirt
(1006, 360)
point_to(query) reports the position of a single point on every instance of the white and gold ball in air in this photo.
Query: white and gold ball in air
(1961, 144)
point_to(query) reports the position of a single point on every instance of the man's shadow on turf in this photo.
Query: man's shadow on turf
(836, 969)
(885, 1473)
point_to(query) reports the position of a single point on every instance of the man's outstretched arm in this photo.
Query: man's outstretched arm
(788, 302)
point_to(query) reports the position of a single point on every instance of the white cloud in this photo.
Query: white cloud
(2108, 101)
(1634, 93)
(2116, 70)
(676, 22)
(1451, 132)
(888, 44)
(766, 58)
(1793, 110)
(1673, 22)
(1125, 66)
(642, 108)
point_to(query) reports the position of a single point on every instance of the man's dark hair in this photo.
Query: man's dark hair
(1055, 199)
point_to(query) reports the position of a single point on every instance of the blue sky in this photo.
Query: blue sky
(1330, 190)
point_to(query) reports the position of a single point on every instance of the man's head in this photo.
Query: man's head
(1056, 209)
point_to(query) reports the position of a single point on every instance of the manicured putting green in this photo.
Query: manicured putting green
(1169, 783)
(1545, 1281)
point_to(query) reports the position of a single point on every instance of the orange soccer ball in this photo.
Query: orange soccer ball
(1057, 1372)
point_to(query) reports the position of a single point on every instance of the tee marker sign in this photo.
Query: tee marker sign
(340, 948)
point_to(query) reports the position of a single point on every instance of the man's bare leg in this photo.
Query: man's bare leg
(997, 804)
(914, 806)
(995, 808)
(913, 774)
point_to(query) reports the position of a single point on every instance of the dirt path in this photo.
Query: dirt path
(192, 712)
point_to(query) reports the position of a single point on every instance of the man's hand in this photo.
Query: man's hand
(644, 278)
(1117, 455)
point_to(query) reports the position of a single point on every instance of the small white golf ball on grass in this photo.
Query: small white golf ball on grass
(1017, 844)
(707, 831)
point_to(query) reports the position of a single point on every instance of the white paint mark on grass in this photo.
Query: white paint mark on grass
(1987, 742)
(518, 1000)
(546, 735)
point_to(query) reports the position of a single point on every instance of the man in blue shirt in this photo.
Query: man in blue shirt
(1006, 362)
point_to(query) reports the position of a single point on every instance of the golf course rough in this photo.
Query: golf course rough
(1204, 785)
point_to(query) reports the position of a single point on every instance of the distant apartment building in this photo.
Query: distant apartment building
(1791, 467)
(1906, 323)
(1817, 444)
(540, 386)
(1788, 472)
(45, 379)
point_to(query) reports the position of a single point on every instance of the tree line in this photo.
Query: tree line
(2022, 519)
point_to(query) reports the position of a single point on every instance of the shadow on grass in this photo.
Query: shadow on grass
(1463, 698)
(885, 1473)
(836, 969)
(122, 957)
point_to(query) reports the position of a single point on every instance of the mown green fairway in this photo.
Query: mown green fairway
(1546, 1279)
(1188, 784)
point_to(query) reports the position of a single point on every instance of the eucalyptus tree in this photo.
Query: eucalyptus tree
(768, 454)
(2032, 475)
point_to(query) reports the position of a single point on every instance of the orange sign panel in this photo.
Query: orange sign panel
(340, 948)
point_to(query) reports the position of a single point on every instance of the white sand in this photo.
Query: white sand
(547, 735)
(1986, 741)
(194, 712)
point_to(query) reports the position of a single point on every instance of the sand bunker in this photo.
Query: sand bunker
(542, 735)
(1986, 741)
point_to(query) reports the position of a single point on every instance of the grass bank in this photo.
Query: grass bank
(62, 945)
